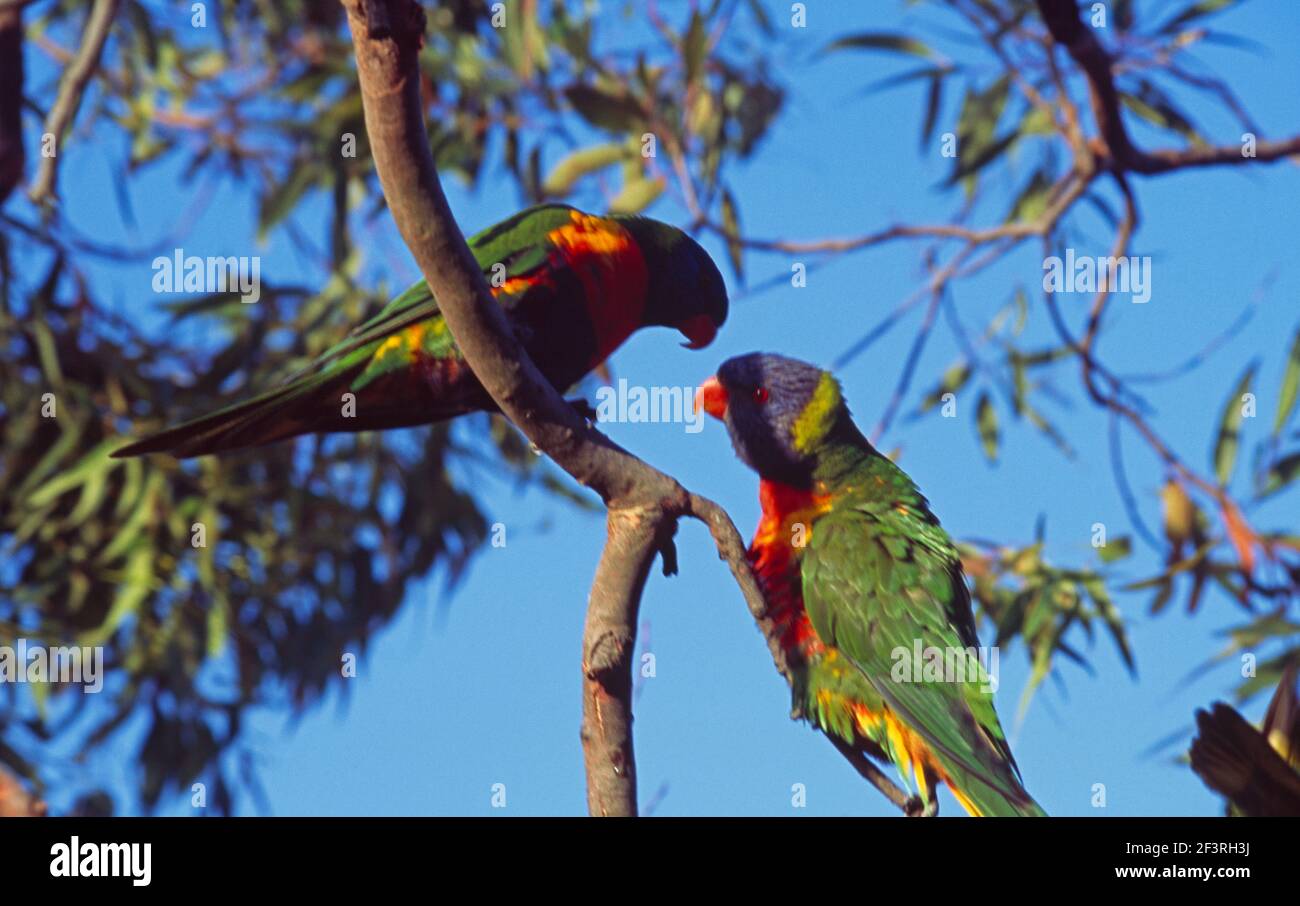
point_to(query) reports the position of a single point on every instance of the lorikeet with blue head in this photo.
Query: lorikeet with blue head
(859, 576)
(575, 286)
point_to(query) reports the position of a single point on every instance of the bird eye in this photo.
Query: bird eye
(760, 395)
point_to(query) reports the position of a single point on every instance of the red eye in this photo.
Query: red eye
(760, 395)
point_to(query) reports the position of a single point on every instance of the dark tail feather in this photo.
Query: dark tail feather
(314, 404)
(1235, 760)
(277, 415)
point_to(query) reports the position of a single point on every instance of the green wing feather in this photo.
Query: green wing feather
(874, 581)
(518, 244)
(308, 400)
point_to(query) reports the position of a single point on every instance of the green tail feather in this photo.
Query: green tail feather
(1005, 799)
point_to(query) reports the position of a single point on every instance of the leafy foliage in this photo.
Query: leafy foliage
(94, 550)
(222, 584)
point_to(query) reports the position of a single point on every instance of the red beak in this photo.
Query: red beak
(712, 398)
(699, 330)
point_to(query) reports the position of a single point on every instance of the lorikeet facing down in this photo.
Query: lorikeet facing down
(575, 286)
(859, 578)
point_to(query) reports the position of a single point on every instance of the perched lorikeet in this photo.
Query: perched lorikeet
(860, 578)
(575, 285)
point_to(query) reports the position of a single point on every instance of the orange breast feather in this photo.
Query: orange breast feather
(784, 530)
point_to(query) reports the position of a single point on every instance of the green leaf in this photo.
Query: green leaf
(218, 624)
(1193, 12)
(615, 112)
(1281, 474)
(125, 535)
(636, 196)
(1155, 107)
(1048, 430)
(522, 46)
(986, 418)
(136, 584)
(731, 223)
(908, 76)
(1111, 617)
(952, 380)
(93, 463)
(1286, 398)
(1032, 200)
(968, 164)
(574, 166)
(933, 103)
(1229, 439)
(49, 356)
(1116, 549)
(976, 126)
(695, 46)
(879, 40)
(281, 200)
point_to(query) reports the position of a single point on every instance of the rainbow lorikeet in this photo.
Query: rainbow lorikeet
(860, 580)
(575, 285)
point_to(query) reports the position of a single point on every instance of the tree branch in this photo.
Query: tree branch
(1068, 30)
(71, 87)
(635, 536)
(644, 504)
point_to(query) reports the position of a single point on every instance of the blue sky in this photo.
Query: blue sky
(448, 704)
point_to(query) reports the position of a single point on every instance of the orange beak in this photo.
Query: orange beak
(712, 398)
(699, 330)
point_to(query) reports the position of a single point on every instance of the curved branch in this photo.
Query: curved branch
(644, 504)
(386, 35)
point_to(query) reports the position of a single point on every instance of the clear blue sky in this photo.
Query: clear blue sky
(445, 708)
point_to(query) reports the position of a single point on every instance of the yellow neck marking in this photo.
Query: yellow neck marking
(819, 415)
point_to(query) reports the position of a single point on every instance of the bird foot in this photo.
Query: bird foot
(584, 409)
(917, 808)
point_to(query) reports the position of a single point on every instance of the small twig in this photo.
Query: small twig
(731, 548)
(1198, 358)
(1125, 489)
(909, 366)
